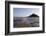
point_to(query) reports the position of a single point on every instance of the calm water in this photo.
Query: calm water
(32, 22)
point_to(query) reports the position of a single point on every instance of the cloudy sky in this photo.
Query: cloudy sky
(24, 12)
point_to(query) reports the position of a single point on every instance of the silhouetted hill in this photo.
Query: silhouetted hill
(33, 15)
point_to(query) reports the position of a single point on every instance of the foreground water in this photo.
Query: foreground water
(26, 22)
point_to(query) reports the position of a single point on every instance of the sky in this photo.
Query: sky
(24, 12)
